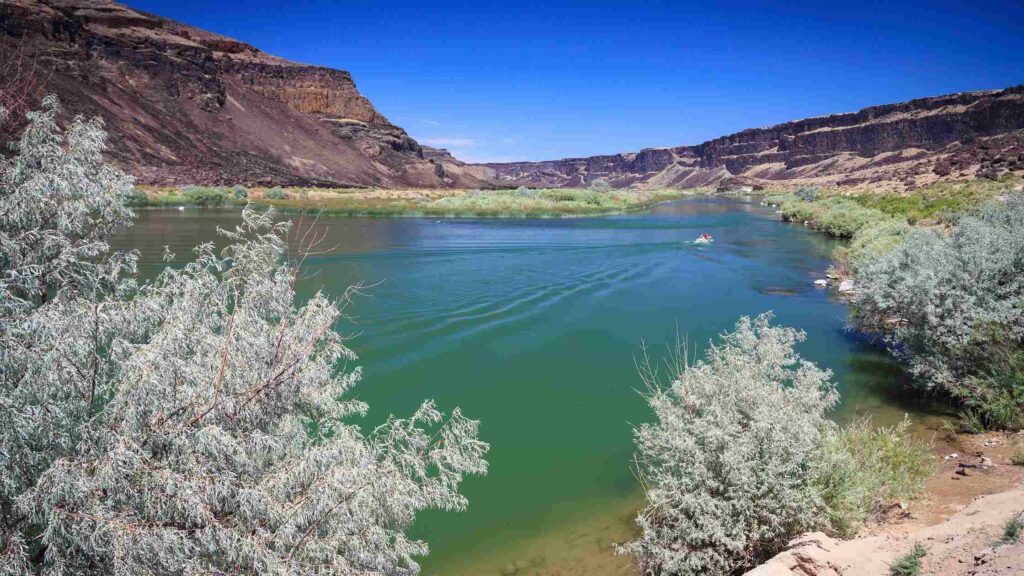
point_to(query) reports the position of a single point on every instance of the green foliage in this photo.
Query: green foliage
(274, 193)
(837, 216)
(523, 191)
(1013, 529)
(873, 240)
(776, 199)
(970, 422)
(993, 390)
(600, 185)
(866, 468)
(910, 563)
(205, 195)
(730, 462)
(1017, 458)
(240, 192)
(806, 193)
(939, 203)
(138, 197)
(952, 307)
(544, 202)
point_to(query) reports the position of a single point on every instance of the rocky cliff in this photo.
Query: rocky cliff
(903, 145)
(184, 105)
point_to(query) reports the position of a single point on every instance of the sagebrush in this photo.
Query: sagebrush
(729, 463)
(192, 424)
(952, 307)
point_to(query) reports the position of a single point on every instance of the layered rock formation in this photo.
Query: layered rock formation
(905, 145)
(183, 105)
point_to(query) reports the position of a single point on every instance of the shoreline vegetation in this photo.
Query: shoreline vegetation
(377, 202)
(936, 277)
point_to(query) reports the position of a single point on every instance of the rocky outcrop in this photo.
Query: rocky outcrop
(908, 144)
(183, 105)
(967, 544)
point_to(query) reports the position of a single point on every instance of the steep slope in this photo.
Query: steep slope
(905, 145)
(188, 106)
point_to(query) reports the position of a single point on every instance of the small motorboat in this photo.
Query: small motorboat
(704, 238)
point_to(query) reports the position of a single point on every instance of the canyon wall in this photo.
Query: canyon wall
(183, 105)
(905, 145)
(187, 106)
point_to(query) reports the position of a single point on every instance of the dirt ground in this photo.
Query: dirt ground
(959, 521)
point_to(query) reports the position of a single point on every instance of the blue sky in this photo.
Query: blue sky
(504, 81)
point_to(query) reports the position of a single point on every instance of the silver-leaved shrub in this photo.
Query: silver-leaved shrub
(730, 463)
(952, 307)
(193, 424)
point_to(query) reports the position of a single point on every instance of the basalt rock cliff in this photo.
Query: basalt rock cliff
(898, 145)
(183, 105)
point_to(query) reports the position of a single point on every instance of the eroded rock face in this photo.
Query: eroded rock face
(183, 105)
(958, 135)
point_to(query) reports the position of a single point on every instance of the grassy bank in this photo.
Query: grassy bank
(875, 223)
(522, 202)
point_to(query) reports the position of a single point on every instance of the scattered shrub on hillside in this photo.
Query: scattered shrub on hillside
(806, 193)
(1017, 458)
(240, 192)
(952, 307)
(600, 185)
(865, 468)
(910, 563)
(730, 461)
(274, 193)
(523, 191)
(1013, 529)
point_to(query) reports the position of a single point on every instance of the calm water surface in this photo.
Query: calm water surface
(532, 326)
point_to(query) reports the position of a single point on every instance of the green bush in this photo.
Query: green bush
(866, 468)
(873, 240)
(1017, 458)
(204, 195)
(241, 192)
(138, 197)
(910, 563)
(836, 216)
(994, 390)
(274, 193)
(1013, 529)
(806, 193)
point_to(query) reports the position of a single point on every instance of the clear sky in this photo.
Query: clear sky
(535, 80)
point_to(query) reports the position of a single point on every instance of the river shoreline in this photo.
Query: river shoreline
(417, 203)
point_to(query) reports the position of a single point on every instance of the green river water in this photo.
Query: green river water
(533, 326)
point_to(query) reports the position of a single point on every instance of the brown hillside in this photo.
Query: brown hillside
(188, 106)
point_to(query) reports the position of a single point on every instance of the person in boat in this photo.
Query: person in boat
(705, 236)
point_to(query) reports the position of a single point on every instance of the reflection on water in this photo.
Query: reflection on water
(532, 327)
